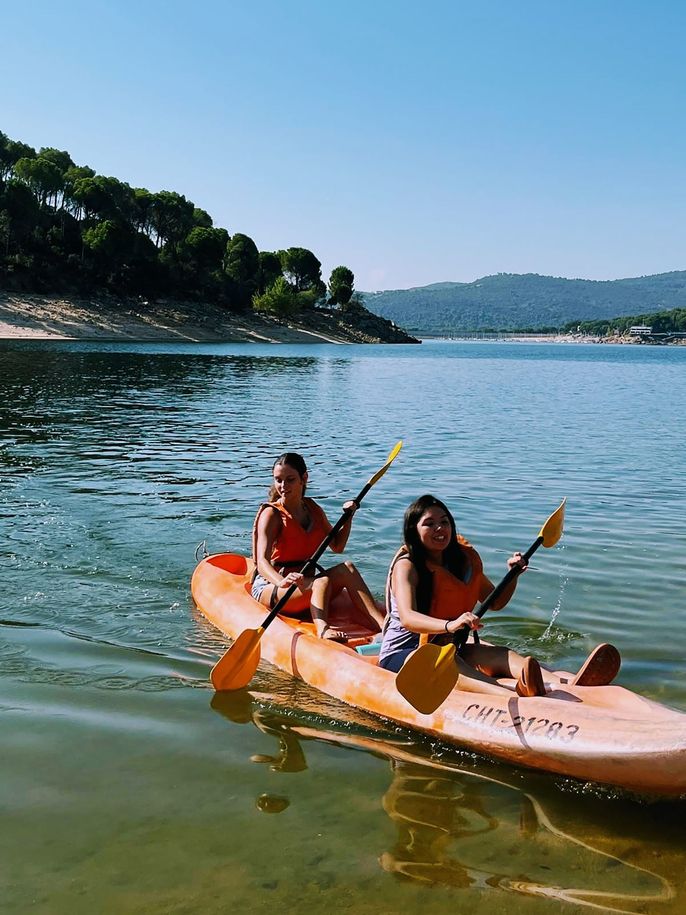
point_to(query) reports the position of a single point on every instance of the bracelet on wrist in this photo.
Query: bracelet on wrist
(446, 626)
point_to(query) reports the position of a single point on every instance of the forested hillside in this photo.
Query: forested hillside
(528, 301)
(65, 229)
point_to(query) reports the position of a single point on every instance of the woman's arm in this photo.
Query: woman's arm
(503, 599)
(268, 527)
(339, 542)
(404, 584)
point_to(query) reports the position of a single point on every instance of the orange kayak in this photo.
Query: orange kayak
(604, 734)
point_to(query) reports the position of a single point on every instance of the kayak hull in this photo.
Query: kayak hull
(604, 734)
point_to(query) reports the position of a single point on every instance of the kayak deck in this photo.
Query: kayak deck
(605, 734)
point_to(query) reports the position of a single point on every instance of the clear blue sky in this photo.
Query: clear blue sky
(415, 142)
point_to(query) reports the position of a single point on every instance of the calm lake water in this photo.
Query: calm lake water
(127, 786)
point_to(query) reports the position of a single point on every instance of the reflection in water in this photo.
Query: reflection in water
(447, 830)
(239, 707)
(431, 811)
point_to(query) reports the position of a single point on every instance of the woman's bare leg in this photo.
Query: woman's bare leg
(348, 577)
(295, 603)
(344, 576)
(323, 590)
(505, 664)
(494, 660)
(474, 680)
(325, 587)
(316, 601)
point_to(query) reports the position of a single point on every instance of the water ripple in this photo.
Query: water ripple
(117, 461)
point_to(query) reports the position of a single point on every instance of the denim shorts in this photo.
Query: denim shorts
(396, 660)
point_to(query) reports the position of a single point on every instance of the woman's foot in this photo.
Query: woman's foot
(333, 635)
(600, 667)
(530, 682)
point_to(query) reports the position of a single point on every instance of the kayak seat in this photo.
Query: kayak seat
(229, 562)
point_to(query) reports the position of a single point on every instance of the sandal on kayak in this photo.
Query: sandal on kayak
(330, 634)
(600, 667)
(530, 682)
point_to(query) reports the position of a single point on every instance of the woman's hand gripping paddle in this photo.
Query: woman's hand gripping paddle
(236, 667)
(429, 675)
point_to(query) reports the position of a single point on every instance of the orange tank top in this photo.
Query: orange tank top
(450, 596)
(293, 543)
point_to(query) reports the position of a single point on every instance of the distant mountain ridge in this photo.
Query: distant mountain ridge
(517, 301)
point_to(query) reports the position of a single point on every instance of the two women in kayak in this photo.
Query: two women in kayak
(434, 583)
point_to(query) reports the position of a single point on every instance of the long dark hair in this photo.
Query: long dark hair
(296, 461)
(453, 557)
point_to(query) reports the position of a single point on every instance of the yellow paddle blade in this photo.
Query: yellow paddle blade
(235, 669)
(552, 529)
(389, 460)
(428, 677)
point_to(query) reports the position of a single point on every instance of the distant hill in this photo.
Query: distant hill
(512, 301)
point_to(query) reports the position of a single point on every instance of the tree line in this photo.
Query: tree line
(661, 322)
(65, 228)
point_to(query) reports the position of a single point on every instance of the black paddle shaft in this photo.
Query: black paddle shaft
(462, 634)
(311, 563)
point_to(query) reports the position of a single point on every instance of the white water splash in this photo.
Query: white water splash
(548, 635)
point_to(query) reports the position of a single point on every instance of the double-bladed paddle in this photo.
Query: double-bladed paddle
(236, 667)
(429, 675)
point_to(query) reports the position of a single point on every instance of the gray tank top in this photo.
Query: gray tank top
(395, 636)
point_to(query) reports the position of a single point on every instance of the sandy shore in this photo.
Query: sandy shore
(24, 316)
(557, 338)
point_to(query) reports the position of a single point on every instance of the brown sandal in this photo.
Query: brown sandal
(530, 682)
(331, 634)
(600, 667)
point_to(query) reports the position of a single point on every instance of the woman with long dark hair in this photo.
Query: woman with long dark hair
(434, 583)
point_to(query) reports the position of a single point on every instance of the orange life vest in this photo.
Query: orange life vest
(293, 545)
(450, 596)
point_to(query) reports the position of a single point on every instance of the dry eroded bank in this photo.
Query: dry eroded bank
(106, 318)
